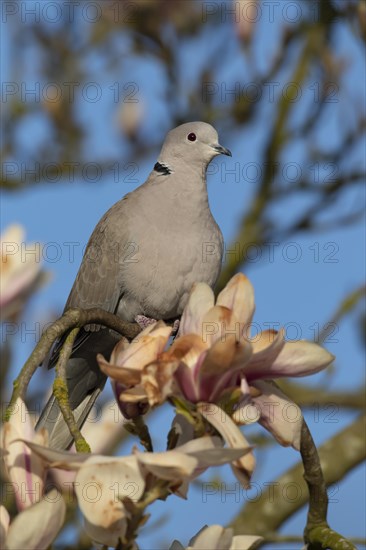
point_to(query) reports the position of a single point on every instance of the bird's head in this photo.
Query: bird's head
(193, 143)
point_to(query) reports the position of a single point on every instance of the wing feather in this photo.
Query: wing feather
(98, 282)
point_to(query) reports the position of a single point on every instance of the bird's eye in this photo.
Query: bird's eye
(192, 137)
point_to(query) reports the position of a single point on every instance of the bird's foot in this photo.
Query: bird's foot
(144, 321)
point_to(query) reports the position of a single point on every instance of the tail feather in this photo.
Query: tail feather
(85, 381)
(53, 420)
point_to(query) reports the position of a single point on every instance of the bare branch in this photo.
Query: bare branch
(61, 393)
(312, 396)
(317, 533)
(266, 515)
(73, 318)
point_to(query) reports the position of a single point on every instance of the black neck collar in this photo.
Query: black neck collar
(162, 169)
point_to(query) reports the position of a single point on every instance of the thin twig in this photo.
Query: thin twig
(61, 393)
(137, 427)
(281, 539)
(313, 475)
(73, 318)
(317, 533)
(319, 399)
(265, 515)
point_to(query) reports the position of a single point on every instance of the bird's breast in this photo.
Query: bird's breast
(166, 258)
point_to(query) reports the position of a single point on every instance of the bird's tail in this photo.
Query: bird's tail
(85, 381)
(53, 420)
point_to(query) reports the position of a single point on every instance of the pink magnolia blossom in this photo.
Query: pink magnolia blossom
(18, 270)
(213, 355)
(214, 348)
(216, 354)
(246, 15)
(36, 527)
(103, 482)
(129, 362)
(216, 537)
(25, 469)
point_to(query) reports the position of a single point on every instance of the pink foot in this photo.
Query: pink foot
(144, 321)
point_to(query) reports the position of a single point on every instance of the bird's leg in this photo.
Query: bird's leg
(144, 322)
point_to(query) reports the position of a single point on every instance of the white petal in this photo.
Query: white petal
(108, 536)
(201, 299)
(205, 443)
(176, 545)
(100, 485)
(300, 358)
(247, 413)
(143, 349)
(169, 465)
(217, 323)
(213, 537)
(17, 272)
(4, 525)
(36, 527)
(266, 347)
(66, 460)
(209, 451)
(20, 420)
(238, 295)
(245, 542)
(26, 470)
(278, 414)
(107, 431)
(242, 467)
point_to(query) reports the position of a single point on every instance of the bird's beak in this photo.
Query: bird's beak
(221, 150)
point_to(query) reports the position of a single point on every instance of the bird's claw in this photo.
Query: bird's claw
(144, 321)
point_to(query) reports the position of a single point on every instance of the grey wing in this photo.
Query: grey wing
(97, 283)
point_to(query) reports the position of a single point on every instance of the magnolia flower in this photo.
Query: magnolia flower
(104, 485)
(25, 470)
(130, 115)
(36, 527)
(216, 537)
(130, 362)
(265, 403)
(261, 400)
(213, 355)
(211, 348)
(216, 354)
(246, 15)
(244, 466)
(20, 266)
(106, 429)
(200, 360)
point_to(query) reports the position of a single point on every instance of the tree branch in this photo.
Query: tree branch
(266, 515)
(61, 392)
(311, 396)
(73, 318)
(317, 533)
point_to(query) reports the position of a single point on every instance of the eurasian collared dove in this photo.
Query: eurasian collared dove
(141, 260)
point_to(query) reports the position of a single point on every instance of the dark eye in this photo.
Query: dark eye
(192, 136)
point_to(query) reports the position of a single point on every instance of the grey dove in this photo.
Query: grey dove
(141, 260)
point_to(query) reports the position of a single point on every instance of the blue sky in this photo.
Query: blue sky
(299, 287)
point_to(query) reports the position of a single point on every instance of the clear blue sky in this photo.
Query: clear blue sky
(301, 295)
